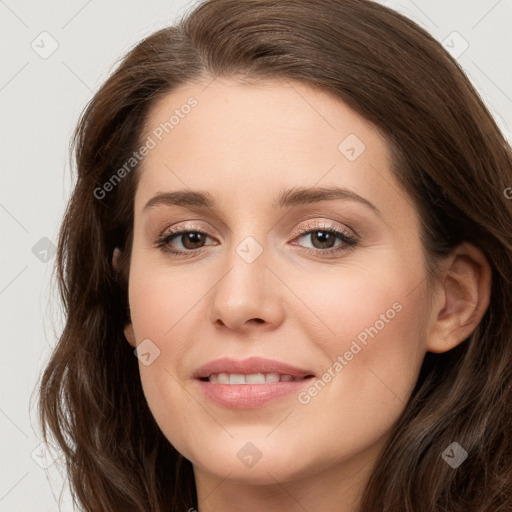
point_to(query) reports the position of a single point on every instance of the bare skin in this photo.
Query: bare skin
(296, 303)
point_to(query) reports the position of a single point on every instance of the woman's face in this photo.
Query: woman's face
(329, 283)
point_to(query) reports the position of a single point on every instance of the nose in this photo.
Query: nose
(249, 295)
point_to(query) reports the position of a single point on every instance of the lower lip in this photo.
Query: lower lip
(248, 396)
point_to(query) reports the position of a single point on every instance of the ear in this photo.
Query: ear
(464, 298)
(129, 334)
(128, 328)
(115, 258)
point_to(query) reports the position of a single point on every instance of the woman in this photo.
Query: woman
(293, 214)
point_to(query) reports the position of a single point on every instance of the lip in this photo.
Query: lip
(247, 396)
(248, 366)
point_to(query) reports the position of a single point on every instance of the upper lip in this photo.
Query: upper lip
(249, 366)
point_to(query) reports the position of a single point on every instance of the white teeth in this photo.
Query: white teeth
(237, 378)
(253, 378)
(223, 378)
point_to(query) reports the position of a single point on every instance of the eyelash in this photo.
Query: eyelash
(349, 241)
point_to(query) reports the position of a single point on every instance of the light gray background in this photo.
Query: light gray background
(41, 99)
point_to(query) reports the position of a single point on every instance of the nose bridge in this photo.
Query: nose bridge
(248, 290)
(248, 252)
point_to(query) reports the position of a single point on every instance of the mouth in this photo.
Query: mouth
(250, 383)
(253, 370)
(252, 378)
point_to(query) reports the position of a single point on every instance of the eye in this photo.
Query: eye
(191, 240)
(324, 237)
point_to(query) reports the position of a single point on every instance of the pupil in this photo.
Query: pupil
(192, 238)
(325, 237)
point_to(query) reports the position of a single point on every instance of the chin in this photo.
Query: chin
(258, 463)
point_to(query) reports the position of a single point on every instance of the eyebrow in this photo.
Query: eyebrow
(286, 199)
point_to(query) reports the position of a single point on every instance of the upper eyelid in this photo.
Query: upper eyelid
(311, 224)
(319, 225)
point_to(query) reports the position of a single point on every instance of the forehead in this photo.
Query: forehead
(250, 140)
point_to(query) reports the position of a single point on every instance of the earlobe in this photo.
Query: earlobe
(464, 301)
(129, 334)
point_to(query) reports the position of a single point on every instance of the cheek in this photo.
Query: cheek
(162, 307)
(373, 345)
(380, 306)
(373, 362)
(162, 298)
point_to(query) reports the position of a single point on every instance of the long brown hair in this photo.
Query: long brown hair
(449, 156)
